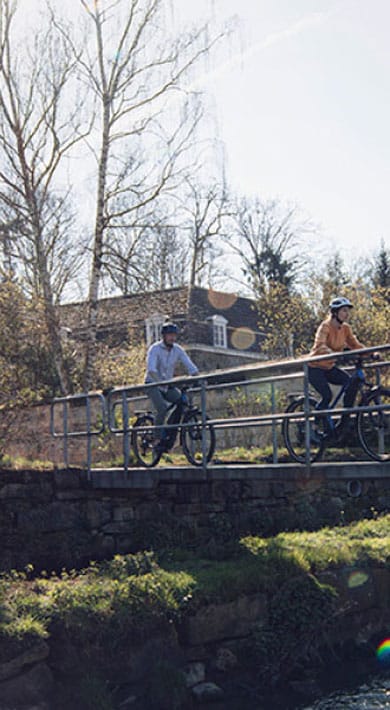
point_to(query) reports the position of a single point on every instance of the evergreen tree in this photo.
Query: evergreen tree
(381, 273)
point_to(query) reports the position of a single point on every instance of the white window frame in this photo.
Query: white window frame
(153, 326)
(219, 331)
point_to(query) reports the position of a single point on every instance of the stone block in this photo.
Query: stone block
(381, 579)
(123, 513)
(98, 513)
(226, 490)
(194, 673)
(207, 692)
(278, 489)
(19, 490)
(187, 509)
(124, 544)
(225, 659)
(38, 652)
(53, 517)
(66, 479)
(116, 528)
(233, 619)
(107, 545)
(354, 585)
(256, 489)
(189, 493)
(75, 494)
(33, 686)
(167, 491)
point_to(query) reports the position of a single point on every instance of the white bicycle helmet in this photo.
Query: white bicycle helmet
(340, 302)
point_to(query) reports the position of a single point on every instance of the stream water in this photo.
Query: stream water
(369, 696)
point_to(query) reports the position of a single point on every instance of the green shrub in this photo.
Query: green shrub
(301, 612)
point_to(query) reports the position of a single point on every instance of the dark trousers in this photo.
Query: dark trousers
(161, 399)
(321, 378)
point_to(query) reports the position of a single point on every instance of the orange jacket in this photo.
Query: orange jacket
(329, 339)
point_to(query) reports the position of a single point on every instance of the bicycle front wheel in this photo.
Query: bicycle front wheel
(293, 431)
(374, 427)
(191, 439)
(144, 440)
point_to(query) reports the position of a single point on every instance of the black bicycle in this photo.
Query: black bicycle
(370, 426)
(183, 418)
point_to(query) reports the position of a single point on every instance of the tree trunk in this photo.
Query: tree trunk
(96, 271)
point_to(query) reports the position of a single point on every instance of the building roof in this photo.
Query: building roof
(193, 308)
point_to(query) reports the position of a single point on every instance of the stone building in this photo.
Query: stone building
(218, 330)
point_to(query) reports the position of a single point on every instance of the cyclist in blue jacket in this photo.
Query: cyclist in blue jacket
(161, 362)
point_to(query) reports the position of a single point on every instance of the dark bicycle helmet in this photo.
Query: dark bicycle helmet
(169, 328)
(340, 302)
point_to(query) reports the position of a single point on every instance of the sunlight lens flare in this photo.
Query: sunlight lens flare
(221, 301)
(383, 652)
(357, 579)
(243, 338)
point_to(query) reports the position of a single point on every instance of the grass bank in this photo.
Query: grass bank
(94, 620)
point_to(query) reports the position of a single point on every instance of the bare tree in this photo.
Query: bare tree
(135, 70)
(145, 258)
(169, 259)
(9, 231)
(35, 136)
(178, 241)
(266, 236)
(126, 256)
(203, 208)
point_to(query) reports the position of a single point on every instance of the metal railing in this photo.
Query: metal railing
(91, 428)
(118, 406)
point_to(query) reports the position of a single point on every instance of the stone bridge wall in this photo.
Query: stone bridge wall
(53, 519)
(63, 518)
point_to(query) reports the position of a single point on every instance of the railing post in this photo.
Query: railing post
(274, 432)
(306, 409)
(126, 437)
(203, 410)
(89, 437)
(65, 422)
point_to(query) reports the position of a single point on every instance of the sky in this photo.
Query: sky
(300, 101)
(303, 110)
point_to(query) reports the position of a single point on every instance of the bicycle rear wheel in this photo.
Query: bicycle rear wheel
(374, 427)
(144, 442)
(293, 431)
(191, 439)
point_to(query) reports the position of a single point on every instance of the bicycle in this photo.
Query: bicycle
(372, 428)
(185, 419)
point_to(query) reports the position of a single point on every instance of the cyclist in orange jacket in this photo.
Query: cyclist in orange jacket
(333, 335)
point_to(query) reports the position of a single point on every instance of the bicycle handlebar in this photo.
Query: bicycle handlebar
(358, 360)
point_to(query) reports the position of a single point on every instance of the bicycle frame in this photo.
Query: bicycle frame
(357, 375)
(174, 415)
(181, 416)
(307, 434)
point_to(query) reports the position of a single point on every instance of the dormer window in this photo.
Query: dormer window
(219, 324)
(153, 326)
